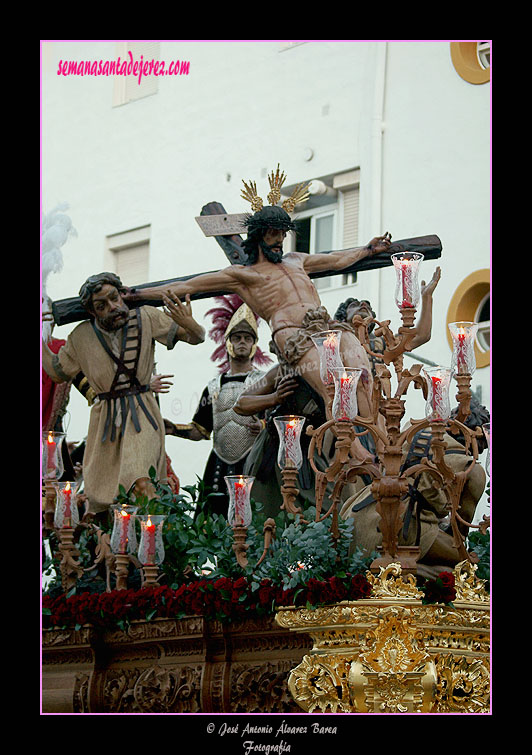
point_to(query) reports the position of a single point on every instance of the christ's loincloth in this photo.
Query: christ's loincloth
(299, 343)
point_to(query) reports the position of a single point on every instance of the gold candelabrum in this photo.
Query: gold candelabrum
(390, 483)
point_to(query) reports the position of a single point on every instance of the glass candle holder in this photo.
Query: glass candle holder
(463, 334)
(124, 535)
(151, 547)
(239, 489)
(289, 428)
(486, 431)
(52, 458)
(438, 407)
(328, 344)
(345, 404)
(66, 514)
(406, 266)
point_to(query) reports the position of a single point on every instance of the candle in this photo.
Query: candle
(51, 453)
(436, 396)
(345, 384)
(461, 356)
(150, 533)
(240, 501)
(404, 281)
(124, 531)
(290, 440)
(68, 505)
(329, 351)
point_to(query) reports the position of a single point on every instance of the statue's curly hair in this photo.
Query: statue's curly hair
(94, 283)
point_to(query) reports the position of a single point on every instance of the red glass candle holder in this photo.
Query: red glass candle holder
(124, 535)
(463, 334)
(239, 488)
(151, 546)
(345, 403)
(289, 427)
(406, 266)
(66, 514)
(438, 407)
(52, 458)
(328, 345)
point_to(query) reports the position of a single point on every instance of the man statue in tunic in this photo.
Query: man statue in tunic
(115, 351)
(278, 289)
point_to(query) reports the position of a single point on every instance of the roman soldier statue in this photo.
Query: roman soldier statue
(235, 330)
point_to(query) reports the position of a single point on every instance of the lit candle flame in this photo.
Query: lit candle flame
(67, 486)
(50, 438)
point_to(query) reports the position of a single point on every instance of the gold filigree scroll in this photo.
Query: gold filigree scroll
(320, 684)
(389, 583)
(394, 653)
(395, 674)
(463, 684)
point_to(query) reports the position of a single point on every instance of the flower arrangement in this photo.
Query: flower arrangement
(200, 575)
(226, 599)
(439, 590)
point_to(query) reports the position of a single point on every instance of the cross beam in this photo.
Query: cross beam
(71, 310)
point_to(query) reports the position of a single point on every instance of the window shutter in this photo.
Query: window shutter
(351, 204)
(350, 230)
(132, 264)
(127, 88)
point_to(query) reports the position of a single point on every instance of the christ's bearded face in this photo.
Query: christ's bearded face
(272, 244)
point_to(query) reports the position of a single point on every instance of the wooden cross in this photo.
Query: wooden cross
(226, 229)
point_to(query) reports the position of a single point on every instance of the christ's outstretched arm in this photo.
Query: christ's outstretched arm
(314, 263)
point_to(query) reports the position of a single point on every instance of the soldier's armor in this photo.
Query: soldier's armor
(232, 437)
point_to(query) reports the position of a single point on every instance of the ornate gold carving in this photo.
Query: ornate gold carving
(276, 181)
(320, 683)
(469, 588)
(463, 684)
(299, 195)
(395, 674)
(249, 193)
(399, 655)
(389, 583)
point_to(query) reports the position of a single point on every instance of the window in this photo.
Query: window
(471, 61)
(315, 232)
(128, 255)
(482, 317)
(484, 54)
(328, 222)
(471, 303)
(127, 88)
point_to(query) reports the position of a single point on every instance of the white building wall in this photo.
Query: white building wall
(397, 111)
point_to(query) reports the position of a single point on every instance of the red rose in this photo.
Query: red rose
(447, 578)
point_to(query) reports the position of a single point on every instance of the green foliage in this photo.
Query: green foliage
(199, 543)
(480, 544)
(301, 551)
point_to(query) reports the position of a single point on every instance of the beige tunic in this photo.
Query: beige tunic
(108, 464)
